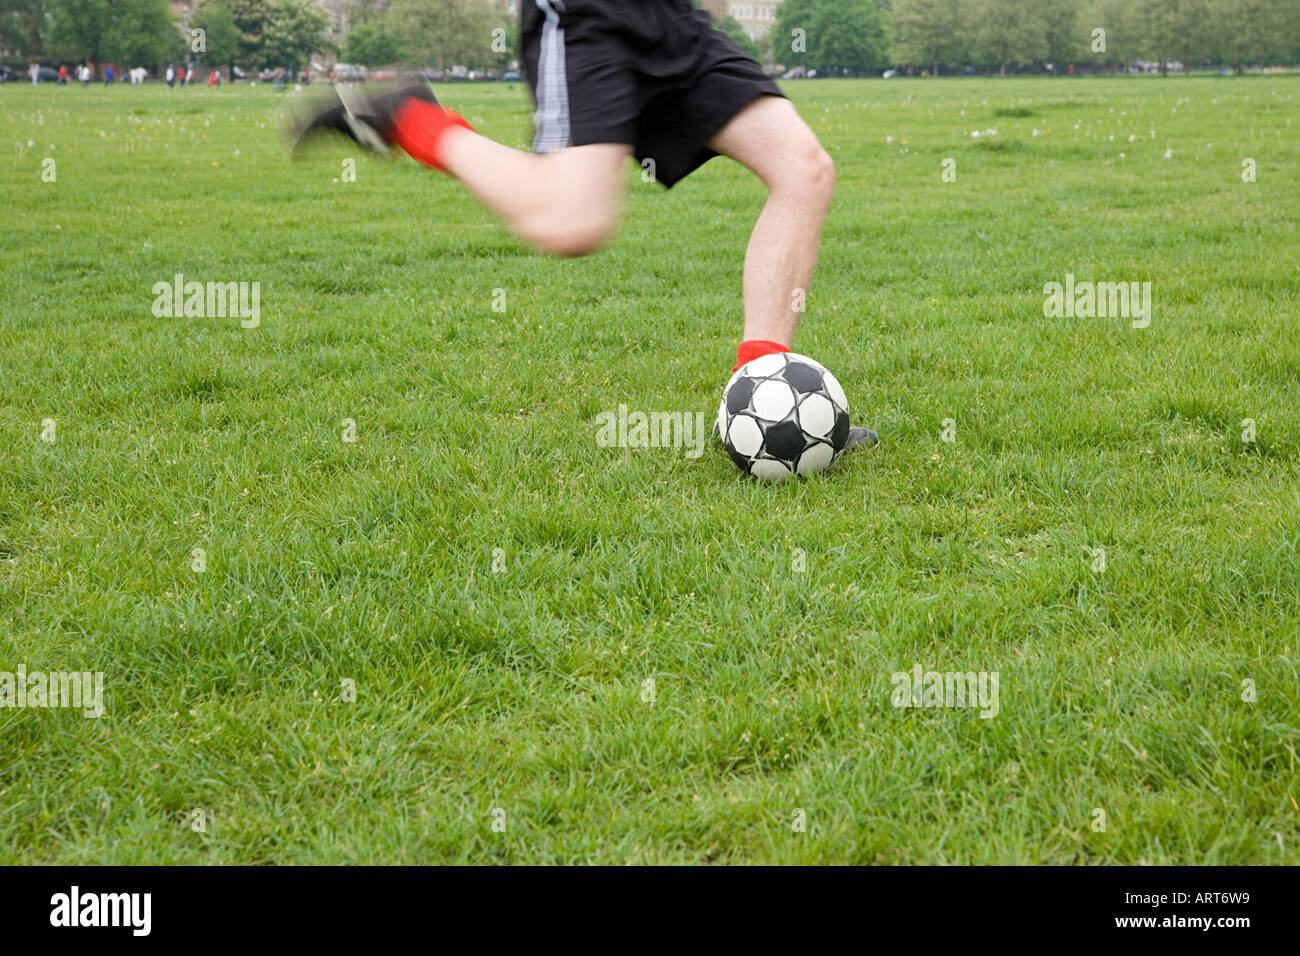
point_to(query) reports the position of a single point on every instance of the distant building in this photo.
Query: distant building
(756, 18)
(182, 11)
(716, 7)
(336, 23)
(339, 20)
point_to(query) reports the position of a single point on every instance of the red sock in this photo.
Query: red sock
(418, 127)
(754, 348)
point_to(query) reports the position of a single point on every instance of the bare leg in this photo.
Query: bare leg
(566, 203)
(770, 138)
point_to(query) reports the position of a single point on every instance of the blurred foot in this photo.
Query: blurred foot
(861, 438)
(363, 115)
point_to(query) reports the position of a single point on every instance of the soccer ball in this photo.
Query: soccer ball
(783, 414)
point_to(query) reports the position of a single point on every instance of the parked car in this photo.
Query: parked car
(347, 73)
(513, 76)
(8, 75)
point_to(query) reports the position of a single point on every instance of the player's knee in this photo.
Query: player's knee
(821, 171)
(808, 172)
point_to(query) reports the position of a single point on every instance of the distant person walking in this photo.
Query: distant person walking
(83, 75)
(170, 76)
(189, 76)
(35, 73)
(63, 75)
(108, 75)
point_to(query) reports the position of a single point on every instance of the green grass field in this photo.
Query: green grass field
(499, 589)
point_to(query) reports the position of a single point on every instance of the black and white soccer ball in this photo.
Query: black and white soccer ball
(783, 414)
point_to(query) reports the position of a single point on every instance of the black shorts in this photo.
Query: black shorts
(651, 74)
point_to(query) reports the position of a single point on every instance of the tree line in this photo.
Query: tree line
(862, 36)
(834, 36)
(251, 33)
(256, 34)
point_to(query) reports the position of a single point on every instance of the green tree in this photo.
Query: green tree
(504, 31)
(1064, 38)
(24, 27)
(79, 27)
(374, 43)
(927, 32)
(1172, 29)
(849, 35)
(292, 31)
(791, 43)
(1254, 32)
(250, 18)
(142, 32)
(1007, 31)
(220, 35)
(1122, 37)
(126, 32)
(446, 32)
(764, 44)
(731, 28)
